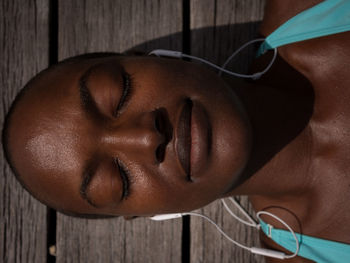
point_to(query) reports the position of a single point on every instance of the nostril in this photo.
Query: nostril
(160, 153)
(163, 126)
(157, 123)
(162, 123)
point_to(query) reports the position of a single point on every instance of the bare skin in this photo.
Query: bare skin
(314, 166)
(74, 134)
(284, 142)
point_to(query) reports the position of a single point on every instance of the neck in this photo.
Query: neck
(278, 114)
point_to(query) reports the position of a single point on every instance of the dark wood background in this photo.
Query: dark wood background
(37, 33)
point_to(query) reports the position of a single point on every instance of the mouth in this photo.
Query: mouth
(183, 138)
(192, 139)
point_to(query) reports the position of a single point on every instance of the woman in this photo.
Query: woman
(138, 136)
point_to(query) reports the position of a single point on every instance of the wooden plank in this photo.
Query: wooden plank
(116, 26)
(91, 26)
(117, 240)
(24, 52)
(218, 28)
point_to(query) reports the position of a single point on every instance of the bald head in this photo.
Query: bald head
(97, 136)
(35, 134)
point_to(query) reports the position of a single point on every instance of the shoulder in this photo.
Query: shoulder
(323, 61)
(319, 59)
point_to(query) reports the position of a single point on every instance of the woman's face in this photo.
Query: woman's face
(129, 136)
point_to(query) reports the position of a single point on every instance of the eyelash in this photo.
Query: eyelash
(124, 174)
(126, 94)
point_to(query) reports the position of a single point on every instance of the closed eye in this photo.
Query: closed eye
(124, 175)
(126, 94)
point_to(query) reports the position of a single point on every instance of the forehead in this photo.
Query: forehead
(43, 135)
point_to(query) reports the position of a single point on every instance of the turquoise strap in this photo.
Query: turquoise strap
(327, 18)
(319, 250)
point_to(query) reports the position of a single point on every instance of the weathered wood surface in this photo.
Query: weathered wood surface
(24, 52)
(91, 26)
(217, 29)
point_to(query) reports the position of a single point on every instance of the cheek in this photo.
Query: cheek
(152, 196)
(159, 78)
(151, 192)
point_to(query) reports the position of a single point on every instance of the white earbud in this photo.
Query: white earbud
(165, 217)
(166, 53)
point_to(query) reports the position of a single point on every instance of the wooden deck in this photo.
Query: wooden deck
(37, 33)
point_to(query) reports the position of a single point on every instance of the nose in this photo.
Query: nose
(144, 136)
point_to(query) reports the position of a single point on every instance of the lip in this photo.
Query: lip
(200, 140)
(193, 139)
(183, 138)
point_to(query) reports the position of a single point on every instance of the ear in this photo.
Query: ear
(130, 217)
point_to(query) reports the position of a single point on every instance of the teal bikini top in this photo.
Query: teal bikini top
(327, 18)
(317, 249)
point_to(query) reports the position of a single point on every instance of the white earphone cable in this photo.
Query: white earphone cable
(259, 74)
(239, 50)
(219, 229)
(251, 223)
(297, 245)
(178, 54)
